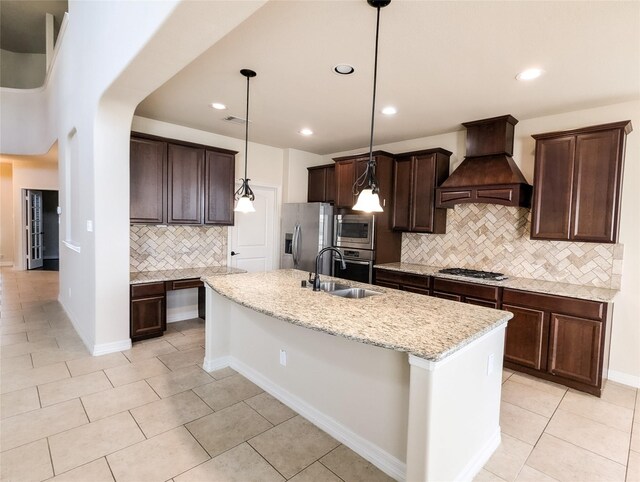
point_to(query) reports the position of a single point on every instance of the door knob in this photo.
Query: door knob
(233, 253)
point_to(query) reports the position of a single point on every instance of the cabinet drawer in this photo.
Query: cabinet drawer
(482, 292)
(557, 304)
(183, 284)
(403, 278)
(147, 289)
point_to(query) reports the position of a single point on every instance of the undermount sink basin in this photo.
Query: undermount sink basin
(354, 293)
(345, 291)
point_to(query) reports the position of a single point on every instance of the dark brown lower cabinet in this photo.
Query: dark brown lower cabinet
(527, 337)
(148, 311)
(562, 339)
(565, 340)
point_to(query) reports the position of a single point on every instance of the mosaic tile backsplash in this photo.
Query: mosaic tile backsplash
(496, 238)
(154, 248)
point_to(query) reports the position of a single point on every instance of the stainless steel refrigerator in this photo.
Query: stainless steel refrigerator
(306, 228)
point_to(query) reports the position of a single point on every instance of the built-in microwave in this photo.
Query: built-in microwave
(354, 231)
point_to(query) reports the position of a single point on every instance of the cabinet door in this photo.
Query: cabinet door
(401, 217)
(485, 303)
(596, 186)
(574, 350)
(316, 186)
(553, 186)
(147, 317)
(423, 194)
(185, 200)
(147, 185)
(219, 173)
(330, 184)
(527, 337)
(415, 289)
(344, 175)
(387, 284)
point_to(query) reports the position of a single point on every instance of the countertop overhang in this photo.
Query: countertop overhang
(427, 327)
(583, 292)
(179, 274)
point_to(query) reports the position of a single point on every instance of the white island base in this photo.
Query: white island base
(414, 419)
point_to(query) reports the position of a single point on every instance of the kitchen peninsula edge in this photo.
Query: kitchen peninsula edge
(341, 363)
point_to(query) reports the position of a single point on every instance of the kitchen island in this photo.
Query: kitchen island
(411, 383)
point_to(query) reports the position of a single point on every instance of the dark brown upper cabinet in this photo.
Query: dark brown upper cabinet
(219, 174)
(178, 182)
(322, 184)
(415, 179)
(578, 183)
(185, 167)
(148, 179)
(348, 169)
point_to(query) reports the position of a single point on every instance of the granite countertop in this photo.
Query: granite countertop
(176, 274)
(428, 327)
(584, 292)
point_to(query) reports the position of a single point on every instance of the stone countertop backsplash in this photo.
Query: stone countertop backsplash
(427, 327)
(584, 292)
(178, 274)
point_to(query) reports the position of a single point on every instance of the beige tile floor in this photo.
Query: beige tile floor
(152, 414)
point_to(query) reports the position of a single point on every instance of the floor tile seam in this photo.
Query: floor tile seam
(137, 424)
(598, 422)
(585, 449)
(79, 396)
(269, 463)
(149, 385)
(589, 417)
(533, 387)
(626, 471)
(326, 467)
(53, 470)
(496, 475)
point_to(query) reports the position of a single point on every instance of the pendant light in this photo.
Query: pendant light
(368, 199)
(244, 195)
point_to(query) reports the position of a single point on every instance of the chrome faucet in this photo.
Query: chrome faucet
(316, 279)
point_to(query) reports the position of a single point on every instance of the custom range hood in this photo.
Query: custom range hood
(488, 173)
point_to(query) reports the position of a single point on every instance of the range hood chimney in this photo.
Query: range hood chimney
(488, 173)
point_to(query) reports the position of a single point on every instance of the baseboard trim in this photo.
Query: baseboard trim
(114, 346)
(624, 378)
(386, 462)
(475, 465)
(213, 364)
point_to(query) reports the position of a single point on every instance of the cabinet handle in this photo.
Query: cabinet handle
(233, 253)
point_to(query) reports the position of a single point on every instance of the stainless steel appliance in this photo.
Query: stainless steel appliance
(306, 228)
(359, 265)
(354, 231)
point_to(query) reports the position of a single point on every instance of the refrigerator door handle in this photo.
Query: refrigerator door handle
(295, 244)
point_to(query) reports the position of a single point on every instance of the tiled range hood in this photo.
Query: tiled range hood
(488, 173)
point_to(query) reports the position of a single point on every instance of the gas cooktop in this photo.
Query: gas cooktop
(472, 273)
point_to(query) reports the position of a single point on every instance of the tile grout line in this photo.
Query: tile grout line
(633, 417)
(53, 469)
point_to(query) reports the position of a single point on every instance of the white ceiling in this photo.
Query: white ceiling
(440, 64)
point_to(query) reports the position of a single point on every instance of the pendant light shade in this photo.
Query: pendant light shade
(244, 195)
(368, 198)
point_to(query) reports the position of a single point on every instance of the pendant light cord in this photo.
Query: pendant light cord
(375, 82)
(246, 131)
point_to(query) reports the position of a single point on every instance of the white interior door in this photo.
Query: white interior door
(33, 200)
(252, 238)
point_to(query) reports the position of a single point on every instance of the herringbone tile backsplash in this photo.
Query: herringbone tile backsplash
(154, 248)
(496, 238)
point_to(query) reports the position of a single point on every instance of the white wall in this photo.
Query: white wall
(21, 70)
(296, 179)
(624, 363)
(6, 214)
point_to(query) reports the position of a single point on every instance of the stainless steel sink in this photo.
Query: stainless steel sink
(353, 293)
(332, 286)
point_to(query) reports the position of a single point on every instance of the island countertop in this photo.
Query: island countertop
(583, 292)
(178, 274)
(427, 327)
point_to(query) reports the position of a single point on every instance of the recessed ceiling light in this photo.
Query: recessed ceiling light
(344, 69)
(305, 131)
(218, 105)
(389, 110)
(529, 74)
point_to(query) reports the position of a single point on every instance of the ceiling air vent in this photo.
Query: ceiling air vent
(235, 120)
